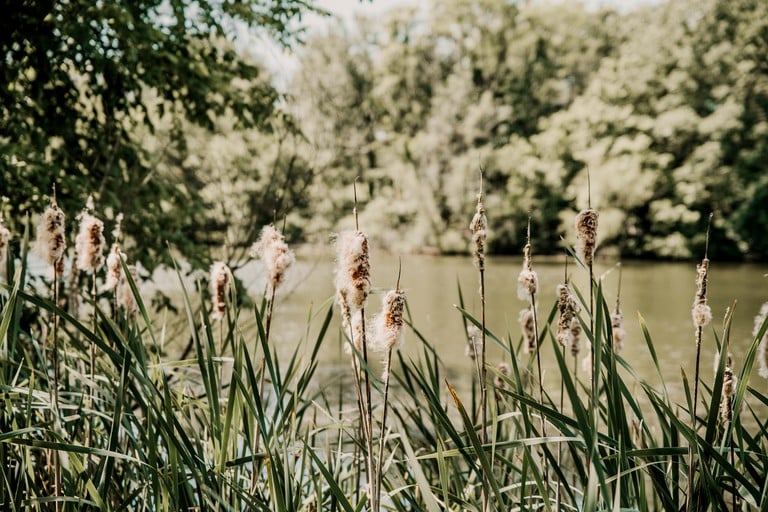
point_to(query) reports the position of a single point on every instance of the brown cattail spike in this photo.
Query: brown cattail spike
(729, 389)
(527, 280)
(701, 312)
(575, 336)
(5, 237)
(51, 243)
(503, 369)
(617, 329)
(479, 229)
(586, 235)
(762, 351)
(220, 282)
(389, 326)
(114, 266)
(527, 324)
(90, 240)
(474, 342)
(567, 308)
(353, 273)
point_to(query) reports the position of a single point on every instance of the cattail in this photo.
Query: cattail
(529, 332)
(701, 312)
(567, 308)
(575, 336)
(527, 280)
(586, 235)
(275, 253)
(5, 237)
(51, 244)
(479, 229)
(503, 369)
(474, 342)
(125, 298)
(762, 351)
(90, 241)
(617, 329)
(220, 280)
(353, 281)
(114, 267)
(729, 389)
(388, 326)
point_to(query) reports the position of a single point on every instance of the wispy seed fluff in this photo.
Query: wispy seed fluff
(701, 312)
(762, 351)
(125, 298)
(114, 267)
(388, 325)
(90, 242)
(353, 271)
(503, 369)
(474, 342)
(527, 280)
(51, 244)
(5, 237)
(529, 333)
(479, 229)
(586, 235)
(275, 253)
(220, 281)
(575, 336)
(729, 389)
(567, 308)
(617, 329)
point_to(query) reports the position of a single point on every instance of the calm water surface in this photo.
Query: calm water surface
(661, 292)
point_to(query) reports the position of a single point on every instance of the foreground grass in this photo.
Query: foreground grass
(235, 428)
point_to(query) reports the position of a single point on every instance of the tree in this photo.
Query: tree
(81, 79)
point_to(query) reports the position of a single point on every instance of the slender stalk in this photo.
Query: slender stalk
(383, 435)
(56, 462)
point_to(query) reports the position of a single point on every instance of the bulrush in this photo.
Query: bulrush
(388, 325)
(125, 298)
(114, 267)
(529, 332)
(51, 244)
(353, 274)
(275, 253)
(220, 281)
(762, 351)
(729, 389)
(479, 229)
(701, 312)
(575, 336)
(503, 369)
(474, 342)
(527, 280)
(89, 241)
(617, 329)
(567, 309)
(5, 237)
(586, 235)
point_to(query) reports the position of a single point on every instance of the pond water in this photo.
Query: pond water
(661, 292)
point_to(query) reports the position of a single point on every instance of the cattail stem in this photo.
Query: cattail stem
(56, 463)
(383, 434)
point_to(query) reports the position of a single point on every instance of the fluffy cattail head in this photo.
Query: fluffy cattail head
(220, 282)
(701, 312)
(503, 369)
(5, 237)
(762, 351)
(353, 272)
(114, 267)
(729, 389)
(567, 308)
(617, 329)
(474, 342)
(527, 325)
(479, 229)
(586, 235)
(125, 298)
(90, 242)
(51, 244)
(527, 280)
(389, 326)
(275, 253)
(575, 336)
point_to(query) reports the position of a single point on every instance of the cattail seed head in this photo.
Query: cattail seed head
(617, 329)
(51, 243)
(729, 389)
(575, 336)
(125, 298)
(567, 308)
(275, 253)
(220, 282)
(474, 342)
(353, 272)
(586, 235)
(527, 325)
(90, 243)
(527, 280)
(762, 351)
(114, 267)
(503, 369)
(701, 312)
(5, 237)
(479, 229)
(389, 326)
